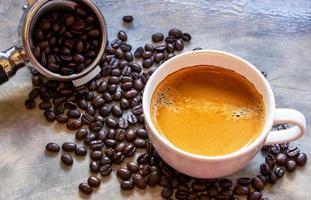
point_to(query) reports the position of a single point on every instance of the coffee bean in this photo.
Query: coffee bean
(291, 165)
(265, 169)
(167, 192)
(96, 145)
(128, 19)
(69, 146)
(264, 179)
(179, 45)
(170, 55)
(123, 123)
(81, 151)
(111, 123)
(109, 152)
(30, 104)
(105, 170)
(95, 126)
(129, 150)
(96, 155)
(138, 85)
(130, 94)
(139, 181)
(147, 54)
(181, 194)
(85, 188)
(74, 124)
(244, 181)
(254, 196)
(127, 185)
(129, 56)
(49, 115)
(270, 160)
(225, 183)
(81, 133)
(212, 191)
(275, 149)
(122, 35)
(86, 119)
(158, 57)
(257, 184)
(301, 159)
(176, 33)
(93, 181)
(130, 135)
(272, 178)
(160, 48)
(147, 63)
(279, 172)
(143, 158)
(281, 159)
(241, 190)
(66, 159)
(137, 110)
(138, 52)
(52, 147)
(116, 111)
(94, 33)
(94, 166)
(139, 143)
(186, 37)
(157, 37)
(124, 173)
(73, 114)
(292, 152)
(45, 105)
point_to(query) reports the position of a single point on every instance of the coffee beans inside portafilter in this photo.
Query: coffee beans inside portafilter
(66, 41)
(110, 122)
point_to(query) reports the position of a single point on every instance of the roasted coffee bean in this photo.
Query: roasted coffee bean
(275, 149)
(160, 48)
(124, 173)
(176, 33)
(291, 165)
(105, 170)
(104, 161)
(94, 166)
(34, 93)
(93, 181)
(123, 123)
(49, 115)
(292, 152)
(153, 178)
(132, 167)
(30, 104)
(124, 104)
(130, 135)
(96, 145)
(254, 196)
(111, 134)
(96, 155)
(95, 126)
(167, 192)
(198, 186)
(147, 63)
(89, 138)
(264, 179)
(279, 172)
(225, 183)
(143, 158)
(81, 133)
(86, 119)
(139, 181)
(127, 185)
(101, 135)
(69, 146)
(138, 85)
(52, 147)
(281, 159)
(119, 53)
(90, 110)
(147, 54)
(118, 158)
(244, 181)
(85, 188)
(97, 102)
(122, 35)
(129, 150)
(112, 123)
(142, 133)
(158, 57)
(225, 193)
(179, 45)
(45, 105)
(116, 111)
(157, 37)
(112, 89)
(257, 184)
(301, 159)
(186, 37)
(73, 114)
(126, 47)
(74, 124)
(66, 159)
(126, 86)
(265, 169)
(81, 151)
(110, 143)
(140, 143)
(170, 55)
(128, 19)
(149, 47)
(137, 110)
(118, 95)
(212, 191)
(120, 147)
(109, 152)
(132, 119)
(62, 118)
(270, 160)
(272, 178)
(241, 190)
(102, 87)
(181, 194)
(94, 33)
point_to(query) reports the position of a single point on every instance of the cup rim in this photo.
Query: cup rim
(259, 140)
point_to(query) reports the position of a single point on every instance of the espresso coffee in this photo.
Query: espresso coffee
(208, 110)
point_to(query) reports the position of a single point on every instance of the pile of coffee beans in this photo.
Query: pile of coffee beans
(106, 115)
(67, 41)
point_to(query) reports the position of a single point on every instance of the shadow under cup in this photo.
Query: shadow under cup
(199, 165)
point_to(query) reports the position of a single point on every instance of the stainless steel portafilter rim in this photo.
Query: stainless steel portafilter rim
(34, 13)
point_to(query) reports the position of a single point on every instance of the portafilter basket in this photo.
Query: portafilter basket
(16, 57)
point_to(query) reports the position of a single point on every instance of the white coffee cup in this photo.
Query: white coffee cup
(218, 166)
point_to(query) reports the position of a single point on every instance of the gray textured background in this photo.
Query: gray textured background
(273, 35)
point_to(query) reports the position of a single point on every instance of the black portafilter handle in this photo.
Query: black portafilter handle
(10, 61)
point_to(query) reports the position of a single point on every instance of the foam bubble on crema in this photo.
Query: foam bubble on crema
(163, 97)
(248, 112)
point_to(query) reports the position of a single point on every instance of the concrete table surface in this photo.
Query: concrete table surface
(273, 35)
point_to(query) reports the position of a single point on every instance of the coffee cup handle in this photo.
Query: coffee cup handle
(290, 116)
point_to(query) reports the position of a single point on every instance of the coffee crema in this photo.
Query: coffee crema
(208, 110)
